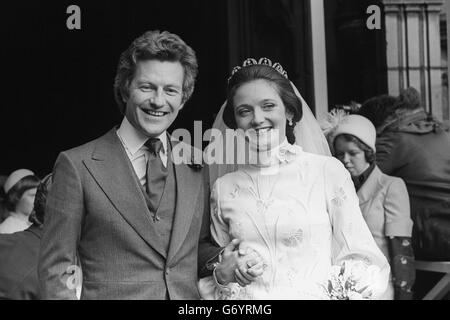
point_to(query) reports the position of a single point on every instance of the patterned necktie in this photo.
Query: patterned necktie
(156, 174)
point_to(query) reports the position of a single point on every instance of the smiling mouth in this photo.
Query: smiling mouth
(155, 113)
(262, 130)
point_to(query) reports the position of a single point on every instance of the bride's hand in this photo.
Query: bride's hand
(243, 265)
(250, 267)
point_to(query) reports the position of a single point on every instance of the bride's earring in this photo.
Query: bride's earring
(289, 118)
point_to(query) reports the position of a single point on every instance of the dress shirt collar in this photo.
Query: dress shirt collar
(134, 140)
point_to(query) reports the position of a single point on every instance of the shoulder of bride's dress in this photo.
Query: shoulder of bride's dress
(333, 164)
(316, 159)
(333, 168)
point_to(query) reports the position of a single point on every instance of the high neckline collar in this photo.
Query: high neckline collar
(282, 153)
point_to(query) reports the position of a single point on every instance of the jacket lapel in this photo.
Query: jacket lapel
(188, 187)
(114, 173)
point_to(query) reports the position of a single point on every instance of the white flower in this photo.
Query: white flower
(352, 280)
(333, 119)
(357, 270)
(287, 153)
(371, 281)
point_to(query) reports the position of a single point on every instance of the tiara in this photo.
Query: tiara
(261, 61)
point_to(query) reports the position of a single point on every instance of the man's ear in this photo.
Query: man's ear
(124, 92)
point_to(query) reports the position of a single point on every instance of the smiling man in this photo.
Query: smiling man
(119, 206)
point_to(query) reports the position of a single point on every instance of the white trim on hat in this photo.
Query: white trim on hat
(15, 177)
(358, 126)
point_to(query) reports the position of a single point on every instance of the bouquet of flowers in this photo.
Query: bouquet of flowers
(352, 280)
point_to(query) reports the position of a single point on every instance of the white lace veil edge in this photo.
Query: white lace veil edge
(307, 131)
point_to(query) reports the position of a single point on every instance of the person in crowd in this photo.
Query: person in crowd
(416, 147)
(121, 205)
(3, 212)
(378, 109)
(383, 199)
(19, 192)
(19, 253)
(297, 210)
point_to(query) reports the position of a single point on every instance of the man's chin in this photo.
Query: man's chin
(153, 131)
(153, 128)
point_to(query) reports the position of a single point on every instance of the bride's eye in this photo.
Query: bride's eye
(243, 112)
(269, 106)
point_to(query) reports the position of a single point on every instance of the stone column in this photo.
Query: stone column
(447, 57)
(414, 50)
(319, 56)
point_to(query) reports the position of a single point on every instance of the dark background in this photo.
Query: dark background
(57, 88)
(58, 83)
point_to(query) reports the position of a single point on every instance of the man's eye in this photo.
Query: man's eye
(172, 92)
(269, 106)
(145, 88)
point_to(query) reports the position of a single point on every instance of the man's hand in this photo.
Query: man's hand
(242, 265)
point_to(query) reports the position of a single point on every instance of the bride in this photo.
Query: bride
(297, 210)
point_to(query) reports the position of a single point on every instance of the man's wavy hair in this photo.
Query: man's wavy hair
(162, 46)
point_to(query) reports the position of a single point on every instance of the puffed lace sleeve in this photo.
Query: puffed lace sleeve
(353, 245)
(219, 228)
(208, 287)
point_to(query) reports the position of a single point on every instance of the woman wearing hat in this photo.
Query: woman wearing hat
(383, 199)
(20, 190)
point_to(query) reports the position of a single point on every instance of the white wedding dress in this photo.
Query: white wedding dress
(300, 212)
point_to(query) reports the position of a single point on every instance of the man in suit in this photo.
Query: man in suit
(120, 205)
